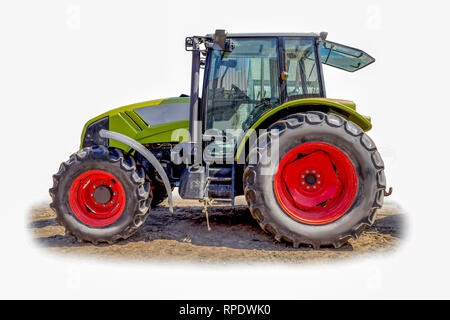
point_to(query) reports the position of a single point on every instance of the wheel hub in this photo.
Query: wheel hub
(97, 198)
(102, 194)
(311, 179)
(315, 183)
(311, 191)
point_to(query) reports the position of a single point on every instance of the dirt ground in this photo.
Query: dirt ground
(235, 237)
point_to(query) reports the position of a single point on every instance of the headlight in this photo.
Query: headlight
(92, 136)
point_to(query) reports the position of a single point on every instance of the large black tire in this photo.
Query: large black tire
(306, 127)
(131, 176)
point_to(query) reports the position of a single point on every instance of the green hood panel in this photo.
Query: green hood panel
(135, 121)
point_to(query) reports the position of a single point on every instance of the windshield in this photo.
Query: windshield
(343, 57)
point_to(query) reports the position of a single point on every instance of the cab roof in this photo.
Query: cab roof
(331, 53)
(270, 34)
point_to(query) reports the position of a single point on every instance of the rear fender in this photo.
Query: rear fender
(344, 108)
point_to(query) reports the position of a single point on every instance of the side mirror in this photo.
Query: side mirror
(220, 38)
(323, 35)
(221, 42)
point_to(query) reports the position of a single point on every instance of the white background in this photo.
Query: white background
(64, 62)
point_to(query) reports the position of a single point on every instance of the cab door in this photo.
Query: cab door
(241, 85)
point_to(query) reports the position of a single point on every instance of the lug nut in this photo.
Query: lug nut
(314, 171)
(303, 182)
(307, 187)
(318, 182)
(110, 185)
(307, 171)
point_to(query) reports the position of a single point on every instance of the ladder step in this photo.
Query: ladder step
(221, 201)
(220, 171)
(217, 179)
(218, 182)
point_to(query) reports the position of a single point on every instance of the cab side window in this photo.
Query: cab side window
(301, 66)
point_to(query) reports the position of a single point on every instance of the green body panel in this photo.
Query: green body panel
(118, 123)
(162, 132)
(136, 119)
(344, 108)
(125, 121)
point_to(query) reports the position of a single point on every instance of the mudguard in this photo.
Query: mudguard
(133, 144)
(344, 108)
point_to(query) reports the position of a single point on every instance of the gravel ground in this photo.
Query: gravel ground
(235, 237)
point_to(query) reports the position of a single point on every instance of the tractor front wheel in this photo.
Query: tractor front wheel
(323, 184)
(100, 195)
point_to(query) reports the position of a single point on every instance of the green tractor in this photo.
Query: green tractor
(262, 127)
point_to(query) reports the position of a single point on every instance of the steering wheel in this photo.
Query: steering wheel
(239, 93)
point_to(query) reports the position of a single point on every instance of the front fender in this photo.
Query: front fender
(133, 144)
(343, 108)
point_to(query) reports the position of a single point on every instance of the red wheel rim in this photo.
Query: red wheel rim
(97, 198)
(316, 183)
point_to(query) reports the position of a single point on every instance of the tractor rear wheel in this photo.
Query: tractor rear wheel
(324, 185)
(100, 195)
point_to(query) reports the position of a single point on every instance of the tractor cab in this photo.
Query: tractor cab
(247, 75)
(260, 73)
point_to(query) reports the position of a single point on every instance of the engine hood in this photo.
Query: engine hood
(147, 122)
